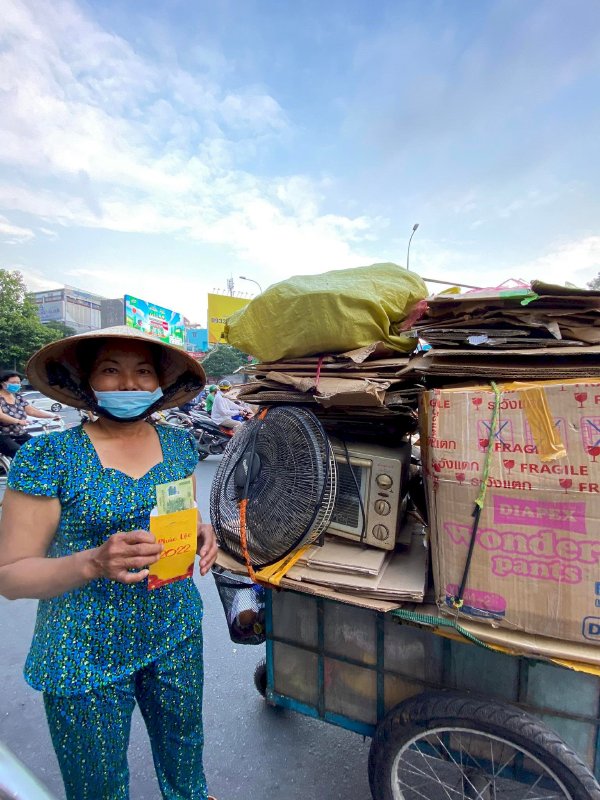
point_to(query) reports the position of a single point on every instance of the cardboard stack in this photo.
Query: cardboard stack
(536, 548)
(364, 381)
(540, 316)
(396, 576)
(510, 333)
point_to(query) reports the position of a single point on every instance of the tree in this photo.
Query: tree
(62, 330)
(222, 360)
(21, 332)
(595, 283)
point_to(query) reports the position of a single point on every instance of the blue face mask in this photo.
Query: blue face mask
(126, 405)
(13, 387)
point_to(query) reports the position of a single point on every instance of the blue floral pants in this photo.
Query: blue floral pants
(90, 731)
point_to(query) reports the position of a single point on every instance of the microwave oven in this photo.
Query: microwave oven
(372, 482)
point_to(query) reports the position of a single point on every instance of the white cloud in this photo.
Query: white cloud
(161, 285)
(138, 145)
(35, 280)
(575, 262)
(14, 234)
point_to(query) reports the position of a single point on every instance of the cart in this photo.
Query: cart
(448, 719)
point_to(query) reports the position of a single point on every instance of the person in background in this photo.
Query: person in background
(75, 534)
(190, 405)
(226, 412)
(14, 411)
(210, 397)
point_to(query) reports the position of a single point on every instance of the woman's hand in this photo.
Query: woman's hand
(124, 552)
(207, 546)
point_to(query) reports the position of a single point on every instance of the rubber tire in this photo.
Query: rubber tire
(260, 677)
(55, 408)
(430, 709)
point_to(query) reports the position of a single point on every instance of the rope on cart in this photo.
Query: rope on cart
(457, 600)
(318, 375)
(438, 622)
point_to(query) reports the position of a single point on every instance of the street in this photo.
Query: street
(251, 750)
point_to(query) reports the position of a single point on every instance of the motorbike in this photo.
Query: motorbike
(211, 439)
(35, 428)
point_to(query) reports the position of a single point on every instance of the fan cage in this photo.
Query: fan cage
(290, 500)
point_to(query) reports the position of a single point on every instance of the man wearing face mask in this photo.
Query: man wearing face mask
(75, 534)
(14, 411)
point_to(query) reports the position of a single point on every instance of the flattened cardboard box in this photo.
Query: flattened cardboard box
(536, 561)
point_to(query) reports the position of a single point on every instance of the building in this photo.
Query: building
(73, 307)
(112, 312)
(196, 340)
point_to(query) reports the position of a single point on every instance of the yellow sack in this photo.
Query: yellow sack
(328, 313)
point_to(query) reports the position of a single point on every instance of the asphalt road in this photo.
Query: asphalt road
(252, 750)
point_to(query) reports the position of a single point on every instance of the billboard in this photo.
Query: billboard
(166, 325)
(221, 306)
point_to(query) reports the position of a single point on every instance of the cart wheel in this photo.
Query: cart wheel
(260, 677)
(452, 745)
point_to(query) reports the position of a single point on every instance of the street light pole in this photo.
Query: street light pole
(415, 226)
(242, 278)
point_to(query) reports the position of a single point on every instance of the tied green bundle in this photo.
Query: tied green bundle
(333, 312)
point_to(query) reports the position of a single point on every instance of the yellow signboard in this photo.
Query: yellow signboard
(221, 306)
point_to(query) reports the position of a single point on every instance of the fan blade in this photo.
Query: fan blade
(249, 464)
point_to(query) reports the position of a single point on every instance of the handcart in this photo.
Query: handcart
(448, 719)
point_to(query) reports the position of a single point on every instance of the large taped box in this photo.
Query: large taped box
(536, 559)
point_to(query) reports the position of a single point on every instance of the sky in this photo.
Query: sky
(162, 148)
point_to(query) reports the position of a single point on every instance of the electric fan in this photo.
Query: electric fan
(274, 490)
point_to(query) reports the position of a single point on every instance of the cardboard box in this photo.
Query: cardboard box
(536, 560)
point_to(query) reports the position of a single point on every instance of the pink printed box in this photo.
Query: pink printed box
(536, 560)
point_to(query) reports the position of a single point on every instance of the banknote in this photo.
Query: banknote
(175, 496)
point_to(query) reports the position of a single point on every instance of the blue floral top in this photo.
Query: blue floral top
(104, 630)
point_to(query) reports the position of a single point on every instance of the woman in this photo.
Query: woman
(14, 411)
(74, 534)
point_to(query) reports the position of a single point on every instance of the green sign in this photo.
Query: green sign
(166, 325)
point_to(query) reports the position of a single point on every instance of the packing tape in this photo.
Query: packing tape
(543, 428)
(274, 573)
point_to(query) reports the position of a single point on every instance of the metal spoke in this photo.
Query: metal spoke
(419, 772)
(532, 787)
(464, 774)
(458, 762)
(428, 795)
(419, 794)
(439, 783)
(505, 765)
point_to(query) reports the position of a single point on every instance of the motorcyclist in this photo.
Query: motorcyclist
(226, 412)
(186, 408)
(210, 397)
(14, 411)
